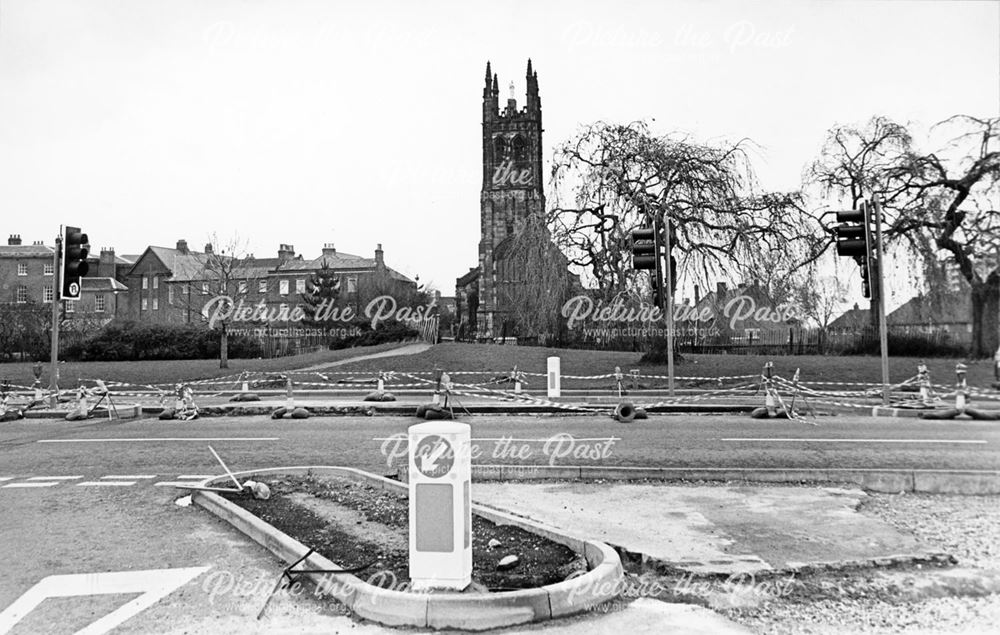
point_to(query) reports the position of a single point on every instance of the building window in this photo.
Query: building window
(99, 303)
(48, 269)
(22, 268)
(70, 306)
(22, 294)
(300, 286)
(499, 149)
(156, 303)
(145, 304)
(243, 286)
(204, 288)
(352, 284)
(283, 287)
(262, 286)
(520, 149)
(156, 282)
(145, 282)
(170, 294)
(47, 294)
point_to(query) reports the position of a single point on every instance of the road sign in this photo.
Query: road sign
(435, 456)
(440, 505)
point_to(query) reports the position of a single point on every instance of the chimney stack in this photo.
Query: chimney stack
(720, 291)
(697, 294)
(329, 249)
(15, 239)
(285, 252)
(208, 248)
(182, 246)
(379, 258)
(106, 264)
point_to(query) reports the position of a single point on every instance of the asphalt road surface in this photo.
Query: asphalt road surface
(95, 497)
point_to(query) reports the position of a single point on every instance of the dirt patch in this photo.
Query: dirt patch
(354, 524)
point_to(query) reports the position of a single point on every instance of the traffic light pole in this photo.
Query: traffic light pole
(882, 325)
(668, 292)
(54, 355)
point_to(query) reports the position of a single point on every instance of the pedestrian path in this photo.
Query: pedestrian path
(409, 349)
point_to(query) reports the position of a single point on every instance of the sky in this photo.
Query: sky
(358, 123)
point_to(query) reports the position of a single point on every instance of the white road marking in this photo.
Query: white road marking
(403, 438)
(158, 439)
(14, 485)
(200, 477)
(825, 440)
(174, 483)
(123, 477)
(54, 478)
(154, 585)
(106, 483)
(6, 478)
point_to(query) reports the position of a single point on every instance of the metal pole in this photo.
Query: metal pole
(670, 310)
(54, 354)
(882, 327)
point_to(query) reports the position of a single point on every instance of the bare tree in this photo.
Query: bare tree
(613, 178)
(937, 206)
(222, 277)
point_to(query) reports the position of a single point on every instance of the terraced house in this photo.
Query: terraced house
(173, 284)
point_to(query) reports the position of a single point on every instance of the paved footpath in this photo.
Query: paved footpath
(410, 349)
(723, 529)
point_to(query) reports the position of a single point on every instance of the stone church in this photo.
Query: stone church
(511, 191)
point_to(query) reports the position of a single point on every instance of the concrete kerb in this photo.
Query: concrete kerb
(917, 481)
(602, 582)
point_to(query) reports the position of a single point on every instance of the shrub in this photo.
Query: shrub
(134, 341)
(388, 331)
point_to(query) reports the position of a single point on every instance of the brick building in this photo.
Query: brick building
(26, 277)
(172, 284)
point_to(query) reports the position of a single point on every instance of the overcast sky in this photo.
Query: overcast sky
(358, 123)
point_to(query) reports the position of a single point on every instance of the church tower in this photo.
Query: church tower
(512, 182)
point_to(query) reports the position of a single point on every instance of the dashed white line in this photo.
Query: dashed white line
(827, 440)
(200, 477)
(158, 439)
(125, 477)
(174, 483)
(106, 483)
(38, 484)
(54, 478)
(6, 478)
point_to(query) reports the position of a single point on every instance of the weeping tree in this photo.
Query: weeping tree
(533, 280)
(612, 178)
(939, 207)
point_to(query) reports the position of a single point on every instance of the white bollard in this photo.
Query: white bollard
(555, 382)
(440, 474)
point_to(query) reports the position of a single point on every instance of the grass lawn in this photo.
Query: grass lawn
(814, 368)
(171, 371)
(501, 359)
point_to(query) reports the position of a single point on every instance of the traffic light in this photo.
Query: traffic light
(645, 248)
(75, 249)
(854, 233)
(854, 239)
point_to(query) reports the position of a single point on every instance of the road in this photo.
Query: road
(94, 496)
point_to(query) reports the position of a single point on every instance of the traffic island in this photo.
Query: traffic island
(349, 516)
